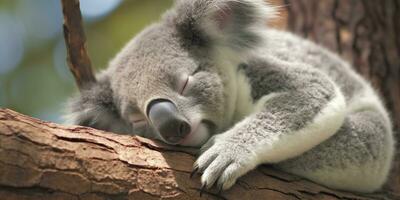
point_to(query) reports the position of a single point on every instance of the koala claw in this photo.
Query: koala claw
(220, 190)
(195, 170)
(223, 163)
(202, 190)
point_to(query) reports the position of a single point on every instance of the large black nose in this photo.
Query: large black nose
(166, 119)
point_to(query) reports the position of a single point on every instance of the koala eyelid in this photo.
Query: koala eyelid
(138, 121)
(185, 85)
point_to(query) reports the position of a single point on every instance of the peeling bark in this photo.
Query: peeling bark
(42, 160)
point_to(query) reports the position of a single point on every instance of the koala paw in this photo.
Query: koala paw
(223, 162)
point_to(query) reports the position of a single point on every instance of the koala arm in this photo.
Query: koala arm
(302, 108)
(289, 124)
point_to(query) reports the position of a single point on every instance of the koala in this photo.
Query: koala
(211, 74)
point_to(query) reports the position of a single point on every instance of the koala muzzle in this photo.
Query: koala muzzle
(166, 119)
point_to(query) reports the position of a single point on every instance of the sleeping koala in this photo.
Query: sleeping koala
(211, 74)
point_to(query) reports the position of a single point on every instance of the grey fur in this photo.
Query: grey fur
(262, 95)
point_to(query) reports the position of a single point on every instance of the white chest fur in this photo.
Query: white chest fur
(237, 91)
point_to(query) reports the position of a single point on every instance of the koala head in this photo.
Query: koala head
(172, 81)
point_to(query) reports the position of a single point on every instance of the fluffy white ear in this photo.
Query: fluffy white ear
(237, 24)
(236, 20)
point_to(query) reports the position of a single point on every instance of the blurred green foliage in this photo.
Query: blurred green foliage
(40, 83)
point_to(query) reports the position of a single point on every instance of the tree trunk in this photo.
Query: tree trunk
(42, 160)
(366, 33)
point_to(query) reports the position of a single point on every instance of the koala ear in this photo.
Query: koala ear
(95, 108)
(237, 24)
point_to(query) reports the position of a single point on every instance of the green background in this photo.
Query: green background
(38, 82)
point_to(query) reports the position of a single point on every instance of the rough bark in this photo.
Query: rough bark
(366, 33)
(42, 160)
(78, 59)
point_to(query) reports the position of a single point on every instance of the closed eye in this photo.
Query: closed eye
(184, 85)
(138, 121)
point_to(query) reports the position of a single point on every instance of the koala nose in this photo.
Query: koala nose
(169, 123)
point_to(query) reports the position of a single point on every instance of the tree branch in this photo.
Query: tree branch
(42, 160)
(78, 60)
